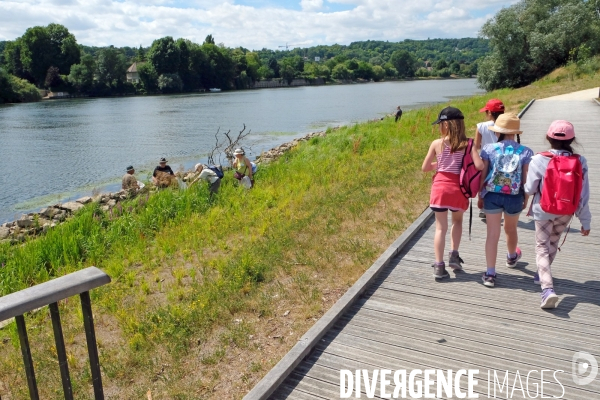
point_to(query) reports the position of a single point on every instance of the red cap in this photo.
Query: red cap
(493, 105)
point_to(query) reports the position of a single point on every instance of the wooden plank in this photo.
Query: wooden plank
(52, 291)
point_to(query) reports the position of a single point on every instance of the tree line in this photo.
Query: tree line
(533, 37)
(50, 58)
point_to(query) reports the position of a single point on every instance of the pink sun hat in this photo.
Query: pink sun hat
(561, 130)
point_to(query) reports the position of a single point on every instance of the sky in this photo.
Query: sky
(253, 24)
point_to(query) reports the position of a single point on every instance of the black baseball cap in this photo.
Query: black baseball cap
(449, 113)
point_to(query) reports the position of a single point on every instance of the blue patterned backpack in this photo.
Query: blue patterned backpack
(505, 174)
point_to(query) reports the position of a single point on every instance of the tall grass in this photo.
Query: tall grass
(194, 279)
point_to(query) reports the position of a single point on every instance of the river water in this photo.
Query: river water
(57, 150)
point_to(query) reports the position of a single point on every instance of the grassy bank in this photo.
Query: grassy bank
(207, 296)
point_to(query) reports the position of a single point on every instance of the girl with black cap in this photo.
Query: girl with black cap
(445, 156)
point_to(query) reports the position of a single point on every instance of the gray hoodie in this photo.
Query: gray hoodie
(535, 182)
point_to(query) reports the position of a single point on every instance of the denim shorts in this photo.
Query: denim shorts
(511, 205)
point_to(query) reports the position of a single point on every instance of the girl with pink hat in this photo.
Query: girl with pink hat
(558, 194)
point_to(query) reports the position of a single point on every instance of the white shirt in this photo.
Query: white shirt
(487, 136)
(208, 175)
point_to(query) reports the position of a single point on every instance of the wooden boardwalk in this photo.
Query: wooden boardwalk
(406, 320)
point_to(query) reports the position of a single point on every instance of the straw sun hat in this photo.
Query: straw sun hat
(508, 124)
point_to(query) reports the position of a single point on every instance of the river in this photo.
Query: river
(57, 150)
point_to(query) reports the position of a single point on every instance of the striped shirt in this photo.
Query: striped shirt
(450, 162)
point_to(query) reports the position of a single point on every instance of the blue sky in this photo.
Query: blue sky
(253, 24)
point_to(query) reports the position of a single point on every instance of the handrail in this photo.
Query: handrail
(49, 294)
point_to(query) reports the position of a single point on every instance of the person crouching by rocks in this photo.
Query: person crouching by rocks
(130, 183)
(163, 175)
(242, 166)
(208, 175)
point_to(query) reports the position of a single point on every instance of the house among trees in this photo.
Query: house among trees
(132, 72)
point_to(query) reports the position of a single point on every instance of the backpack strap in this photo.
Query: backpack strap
(547, 154)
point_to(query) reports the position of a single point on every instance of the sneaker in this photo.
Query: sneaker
(488, 280)
(439, 271)
(455, 262)
(536, 279)
(549, 298)
(512, 262)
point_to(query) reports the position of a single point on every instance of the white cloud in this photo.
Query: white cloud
(135, 22)
(311, 5)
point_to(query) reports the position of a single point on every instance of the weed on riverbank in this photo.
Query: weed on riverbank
(207, 296)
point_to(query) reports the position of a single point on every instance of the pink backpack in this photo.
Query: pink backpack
(469, 175)
(563, 183)
(469, 179)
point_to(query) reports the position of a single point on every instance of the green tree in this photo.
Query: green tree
(53, 79)
(253, 64)
(12, 59)
(364, 70)
(378, 73)
(36, 53)
(274, 66)
(455, 67)
(288, 73)
(170, 83)
(64, 49)
(111, 67)
(140, 55)
(148, 78)
(264, 72)
(16, 90)
(404, 62)
(209, 39)
(422, 72)
(352, 64)
(165, 56)
(440, 64)
(531, 38)
(341, 72)
(82, 74)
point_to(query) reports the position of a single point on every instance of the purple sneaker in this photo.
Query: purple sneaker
(549, 298)
(536, 279)
(512, 262)
(439, 271)
(488, 280)
(455, 262)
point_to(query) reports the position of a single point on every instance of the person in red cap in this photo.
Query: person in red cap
(549, 226)
(484, 135)
(493, 109)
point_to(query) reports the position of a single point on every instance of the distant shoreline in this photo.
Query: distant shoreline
(205, 91)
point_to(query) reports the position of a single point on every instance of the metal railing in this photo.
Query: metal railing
(49, 294)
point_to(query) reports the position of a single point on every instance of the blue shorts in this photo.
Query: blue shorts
(496, 203)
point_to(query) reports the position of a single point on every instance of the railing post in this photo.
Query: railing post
(27, 361)
(60, 350)
(90, 334)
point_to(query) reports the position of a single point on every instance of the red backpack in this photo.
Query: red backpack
(469, 175)
(563, 182)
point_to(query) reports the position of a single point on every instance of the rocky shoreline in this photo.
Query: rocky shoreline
(36, 223)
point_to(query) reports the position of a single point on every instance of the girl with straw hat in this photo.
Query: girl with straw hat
(504, 173)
